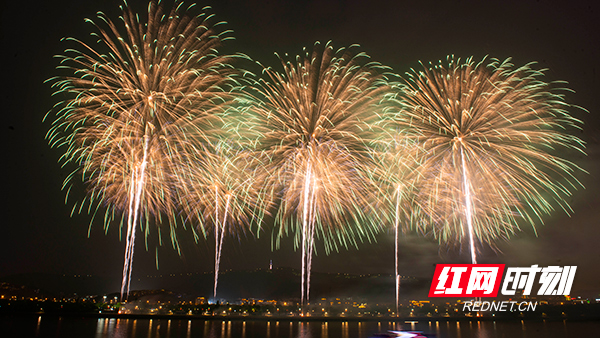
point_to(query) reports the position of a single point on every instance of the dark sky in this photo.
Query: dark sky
(38, 235)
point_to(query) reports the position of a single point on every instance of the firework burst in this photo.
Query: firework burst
(394, 173)
(225, 194)
(133, 103)
(317, 122)
(491, 134)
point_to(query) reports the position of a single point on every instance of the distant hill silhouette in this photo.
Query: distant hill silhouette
(59, 285)
(279, 283)
(284, 283)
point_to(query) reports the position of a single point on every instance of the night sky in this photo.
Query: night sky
(38, 235)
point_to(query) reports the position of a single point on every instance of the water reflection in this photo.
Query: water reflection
(121, 328)
(304, 330)
(125, 328)
(268, 329)
(345, 330)
(212, 330)
(116, 328)
(483, 330)
(37, 328)
(99, 325)
(58, 326)
(150, 329)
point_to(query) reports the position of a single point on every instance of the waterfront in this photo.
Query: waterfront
(80, 326)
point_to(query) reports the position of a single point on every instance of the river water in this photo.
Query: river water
(51, 326)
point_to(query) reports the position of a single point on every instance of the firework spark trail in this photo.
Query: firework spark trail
(218, 240)
(396, 225)
(305, 230)
(137, 102)
(130, 243)
(225, 194)
(316, 122)
(130, 229)
(468, 203)
(219, 234)
(394, 172)
(308, 234)
(490, 137)
(310, 244)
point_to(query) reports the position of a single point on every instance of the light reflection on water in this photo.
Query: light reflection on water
(37, 327)
(48, 326)
(344, 329)
(113, 327)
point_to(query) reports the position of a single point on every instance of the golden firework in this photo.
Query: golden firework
(492, 136)
(135, 104)
(317, 121)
